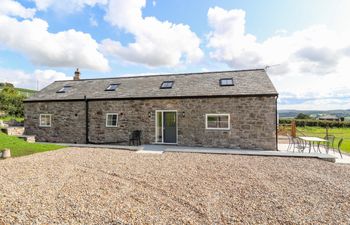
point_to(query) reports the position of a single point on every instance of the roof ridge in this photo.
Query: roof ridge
(166, 74)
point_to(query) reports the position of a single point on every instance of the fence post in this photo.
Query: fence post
(294, 129)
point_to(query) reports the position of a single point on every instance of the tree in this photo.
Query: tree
(302, 116)
(11, 101)
(6, 84)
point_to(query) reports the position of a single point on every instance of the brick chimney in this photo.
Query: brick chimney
(77, 75)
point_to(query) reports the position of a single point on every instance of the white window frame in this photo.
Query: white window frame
(217, 114)
(41, 115)
(111, 114)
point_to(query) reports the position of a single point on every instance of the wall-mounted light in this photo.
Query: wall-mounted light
(183, 114)
(149, 114)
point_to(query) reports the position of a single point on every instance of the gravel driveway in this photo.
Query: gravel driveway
(101, 186)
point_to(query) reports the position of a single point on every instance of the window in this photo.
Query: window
(111, 119)
(226, 82)
(112, 87)
(45, 120)
(217, 121)
(166, 85)
(64, 89)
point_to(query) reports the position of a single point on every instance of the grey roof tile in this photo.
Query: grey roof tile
(246, 82)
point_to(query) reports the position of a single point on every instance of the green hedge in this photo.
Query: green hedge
(315, 123)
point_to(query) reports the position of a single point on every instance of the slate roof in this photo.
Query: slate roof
(246, 82)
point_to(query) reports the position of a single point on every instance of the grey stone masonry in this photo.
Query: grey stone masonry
(252, 121)
(68, 121)
(14, 131)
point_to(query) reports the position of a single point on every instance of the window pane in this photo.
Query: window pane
(45, 120)
(226, 82)
(223, 124)
(167, 84)
(112, 87)
(64, 89)
(159, 137)
(217, 121)
(112, 120)
(212, 122)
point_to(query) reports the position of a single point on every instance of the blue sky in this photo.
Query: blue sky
(306, 43)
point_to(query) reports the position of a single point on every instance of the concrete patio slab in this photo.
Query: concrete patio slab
(335, 154)
(159, 149)
(109, 146)
(172, 148)
(149, 152)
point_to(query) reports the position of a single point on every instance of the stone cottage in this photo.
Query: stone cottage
(233, 109)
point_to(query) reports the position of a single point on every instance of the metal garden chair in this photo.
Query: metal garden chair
(135, 137)
(300, 145)
(339, 145)
(330, 143)
(290, 142)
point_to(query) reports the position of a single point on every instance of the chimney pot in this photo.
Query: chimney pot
(77, 75)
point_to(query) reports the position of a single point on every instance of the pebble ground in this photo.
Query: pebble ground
(101, 186)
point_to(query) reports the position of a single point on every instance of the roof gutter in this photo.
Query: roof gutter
(276, 125)
(86, 120)
(160, 97)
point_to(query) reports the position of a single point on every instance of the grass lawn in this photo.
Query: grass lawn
(321, 132)
(20, 147)
(8, 118)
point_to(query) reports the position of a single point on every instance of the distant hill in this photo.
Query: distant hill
(294, 113)
(25, 92)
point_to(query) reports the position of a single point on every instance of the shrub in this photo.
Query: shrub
(302, 116)
(11, 101)
(316, 123)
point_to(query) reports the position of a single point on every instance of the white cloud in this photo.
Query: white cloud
(67, 6)
(228, 39)
(40, 78)
(46, 77)
(319, 104)
(316, 46)
(13, 8)
(156, 43)
(69, 48)
(313, 62)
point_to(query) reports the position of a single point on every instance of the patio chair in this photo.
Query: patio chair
(330, 143)
(135, 137)
(299, 144)
(339, 144)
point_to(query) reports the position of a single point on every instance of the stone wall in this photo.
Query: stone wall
(68, 121)
(252, 121)
(14, 131)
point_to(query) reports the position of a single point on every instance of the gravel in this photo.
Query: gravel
(101, 186)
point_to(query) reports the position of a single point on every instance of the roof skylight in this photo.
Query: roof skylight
(112, 87)
(64, 89)
(167, 85)
(226, 82)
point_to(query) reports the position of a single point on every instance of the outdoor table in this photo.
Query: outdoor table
(312, 140)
